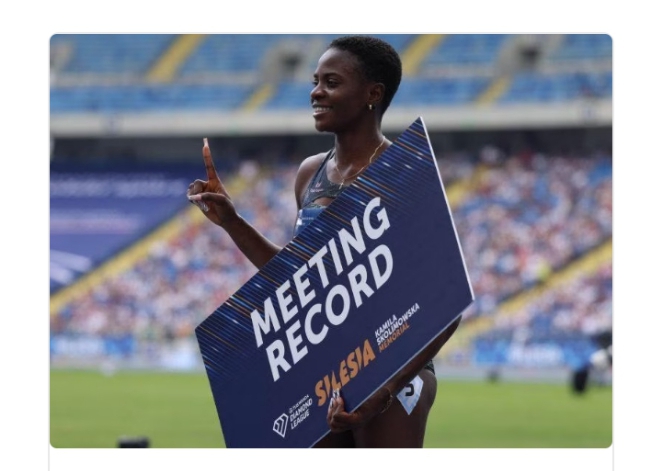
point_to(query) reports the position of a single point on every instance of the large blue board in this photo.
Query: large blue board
(346, 304)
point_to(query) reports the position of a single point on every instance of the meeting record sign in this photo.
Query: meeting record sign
(345, 305)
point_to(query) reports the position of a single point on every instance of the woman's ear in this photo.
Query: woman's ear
(376, 94)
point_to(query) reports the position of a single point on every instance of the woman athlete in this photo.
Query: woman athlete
(354, 83)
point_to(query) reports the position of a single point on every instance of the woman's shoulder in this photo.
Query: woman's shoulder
(311, 163)
(309, 166)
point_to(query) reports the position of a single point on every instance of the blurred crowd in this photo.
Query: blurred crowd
(524, 218)
(528, 217)
(581, 305)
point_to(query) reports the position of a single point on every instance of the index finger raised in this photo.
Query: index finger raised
(208, 161)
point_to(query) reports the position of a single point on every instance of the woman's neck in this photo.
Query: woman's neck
(357, 148)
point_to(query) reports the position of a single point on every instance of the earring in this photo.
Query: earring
(371, 106)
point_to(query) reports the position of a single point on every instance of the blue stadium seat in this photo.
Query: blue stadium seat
(584, 46)
(441, 91)
(229, 53)
(534, 87)
(112, 53)
(466, 49)
(138, 98)
(291, 95)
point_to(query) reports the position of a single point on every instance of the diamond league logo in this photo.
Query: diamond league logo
(280, 424)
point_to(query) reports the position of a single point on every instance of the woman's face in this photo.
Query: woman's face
(340, 94)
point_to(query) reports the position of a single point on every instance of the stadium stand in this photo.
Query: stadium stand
(556, 326)
(109, 54)
(577, 47)
(457, 49)
(149, 97)
(557, 87)
(110, 73)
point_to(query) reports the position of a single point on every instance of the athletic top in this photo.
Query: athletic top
(321, 187)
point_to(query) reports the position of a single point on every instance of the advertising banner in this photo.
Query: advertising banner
(345, 305)
(94, 215)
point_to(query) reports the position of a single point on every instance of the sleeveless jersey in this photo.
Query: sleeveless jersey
(319, 187)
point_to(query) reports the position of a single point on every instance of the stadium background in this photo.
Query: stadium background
(522, 129)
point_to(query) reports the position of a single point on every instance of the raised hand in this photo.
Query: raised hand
(211, 196)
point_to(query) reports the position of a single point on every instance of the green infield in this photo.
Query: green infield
(92, 410)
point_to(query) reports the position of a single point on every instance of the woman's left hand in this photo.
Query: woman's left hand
(339, 420)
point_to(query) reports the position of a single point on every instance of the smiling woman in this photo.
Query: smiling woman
(354, 84)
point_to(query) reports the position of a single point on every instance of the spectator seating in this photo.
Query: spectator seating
(224, 70)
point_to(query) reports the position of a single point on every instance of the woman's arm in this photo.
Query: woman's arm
(251, 242)
(214, 201)
(212, 198)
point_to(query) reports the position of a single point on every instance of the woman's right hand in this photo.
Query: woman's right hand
(211, 196)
